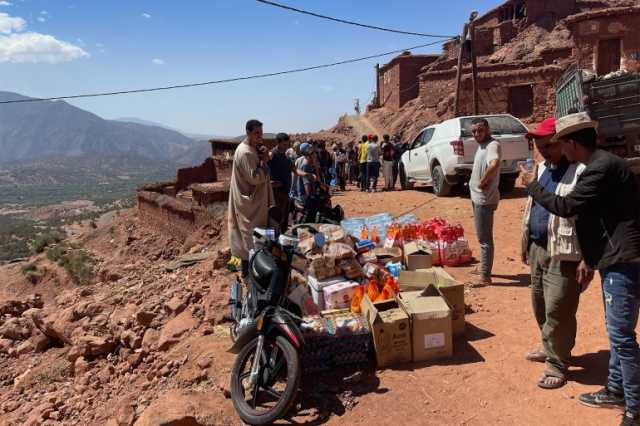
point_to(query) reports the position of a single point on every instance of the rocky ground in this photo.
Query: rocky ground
(146, 346)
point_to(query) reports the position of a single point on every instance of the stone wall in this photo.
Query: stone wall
(398, 80)
(206, 172)
(590, 28)
(494, 84)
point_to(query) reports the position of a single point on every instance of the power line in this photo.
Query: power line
(226, 80)
(344, 21)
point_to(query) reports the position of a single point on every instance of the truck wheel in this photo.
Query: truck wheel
(507, 184)
(441, 188)
(404, 181)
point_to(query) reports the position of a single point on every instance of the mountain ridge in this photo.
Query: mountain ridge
(57, 129)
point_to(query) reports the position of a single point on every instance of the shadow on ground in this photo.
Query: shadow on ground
(590, 369)
(329, 394)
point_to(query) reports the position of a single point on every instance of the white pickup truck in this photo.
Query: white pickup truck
(442, 155)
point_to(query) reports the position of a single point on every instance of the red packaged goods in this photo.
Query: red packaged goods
(454, 249)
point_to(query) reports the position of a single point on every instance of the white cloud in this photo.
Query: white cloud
(99, 45)
(145, 15)
(44, 12)
(41, 19)
(9, 24)
(5, 3)
(157, 61)
(35, 47)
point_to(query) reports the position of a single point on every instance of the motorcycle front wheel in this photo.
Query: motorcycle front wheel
(274, 392)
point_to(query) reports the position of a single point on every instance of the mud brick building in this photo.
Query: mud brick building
(522, 48)
(397, 81)
(607, 40)
(195, 200)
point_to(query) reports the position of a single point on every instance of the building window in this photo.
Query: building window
(609, 56)
(521, 101)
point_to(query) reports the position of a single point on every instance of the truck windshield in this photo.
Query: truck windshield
(499, 125)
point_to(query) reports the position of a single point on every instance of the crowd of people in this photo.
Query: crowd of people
(582, 215)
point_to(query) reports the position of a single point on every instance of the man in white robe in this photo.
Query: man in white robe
(250, 193)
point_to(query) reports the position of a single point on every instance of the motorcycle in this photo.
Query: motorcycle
(318, 208)
(266, 332)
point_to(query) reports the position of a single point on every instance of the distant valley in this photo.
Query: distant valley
(76, 165)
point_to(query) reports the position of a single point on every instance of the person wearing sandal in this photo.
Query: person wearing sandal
(550, 247)
(606, 204)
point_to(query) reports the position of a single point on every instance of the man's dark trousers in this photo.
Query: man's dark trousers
(364, 176)
(555, 294)
(281, 198)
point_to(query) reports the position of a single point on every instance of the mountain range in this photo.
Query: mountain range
(35, 131)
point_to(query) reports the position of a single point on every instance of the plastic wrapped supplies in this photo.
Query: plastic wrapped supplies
(339, 251)
(333, 233)
(338, 296)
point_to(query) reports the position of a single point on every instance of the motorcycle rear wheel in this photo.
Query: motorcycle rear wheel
(279, 362)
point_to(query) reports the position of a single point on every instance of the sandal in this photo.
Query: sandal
(536, 355)
(561, 380)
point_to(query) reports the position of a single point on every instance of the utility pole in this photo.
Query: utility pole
(463, 38)
(377, 99)
(467, 29)
(474, 64)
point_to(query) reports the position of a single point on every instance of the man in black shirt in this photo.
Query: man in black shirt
(398, 149)
(606, 204)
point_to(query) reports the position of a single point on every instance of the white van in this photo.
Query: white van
(442, 155)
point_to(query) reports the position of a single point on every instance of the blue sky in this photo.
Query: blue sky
(77, 46)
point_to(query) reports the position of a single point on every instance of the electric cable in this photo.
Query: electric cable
(344, 21)
(226, 80)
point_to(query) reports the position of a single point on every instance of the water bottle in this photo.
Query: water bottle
(530, 164)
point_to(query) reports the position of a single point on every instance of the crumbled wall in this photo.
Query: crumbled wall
(206, 172)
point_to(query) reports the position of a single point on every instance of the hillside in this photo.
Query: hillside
(56, 129)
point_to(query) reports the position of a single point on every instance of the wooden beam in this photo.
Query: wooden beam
(463, 38)
(474, 65)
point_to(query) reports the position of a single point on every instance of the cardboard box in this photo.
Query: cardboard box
(384, 255)
(450, 289)
(431, 327)
(417, 257)
(391, 331)
(317, 288)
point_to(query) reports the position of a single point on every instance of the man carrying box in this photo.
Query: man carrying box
(550, 246)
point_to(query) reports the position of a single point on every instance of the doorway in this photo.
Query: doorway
(609, 56)
(521, 101)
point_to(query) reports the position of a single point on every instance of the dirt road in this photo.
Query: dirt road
(487, 381)
(361, 125)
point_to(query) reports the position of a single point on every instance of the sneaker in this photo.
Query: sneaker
(630, 419)
(603, 398)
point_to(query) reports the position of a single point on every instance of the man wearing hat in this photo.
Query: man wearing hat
(550, 247)
(606, 205)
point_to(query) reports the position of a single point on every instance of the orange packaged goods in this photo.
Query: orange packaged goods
(372, 288)
(357, 300)
(374, 235)
(409, 233)
(392, 283)
(364, 233)
(387, 293)
(393, 236)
